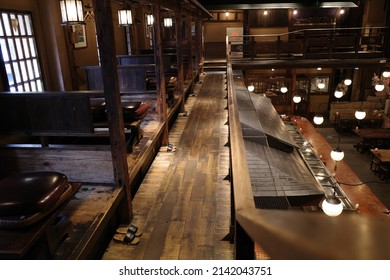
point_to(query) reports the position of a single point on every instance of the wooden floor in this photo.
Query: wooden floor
(182, 206)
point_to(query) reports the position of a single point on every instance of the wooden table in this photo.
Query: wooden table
(383, 155)
(372, 138)
(349, 121)
(381, 162)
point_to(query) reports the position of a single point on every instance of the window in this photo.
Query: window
(19, 52)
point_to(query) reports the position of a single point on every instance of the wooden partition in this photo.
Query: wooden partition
(132, 78)
(29, 120)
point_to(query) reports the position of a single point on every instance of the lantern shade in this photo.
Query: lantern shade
(72, 12)
(251, 88)
(347, 82)
(321, 85)
(337, 154)
(386, 74)
(360, 114)
(297, 99)
(338, 94)
(168, 22)
(332, 206)
(149, 20)
(379, 87)
(283, 89)
(125, 17)
(318, 119)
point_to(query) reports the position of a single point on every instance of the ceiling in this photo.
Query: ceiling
(278, 4)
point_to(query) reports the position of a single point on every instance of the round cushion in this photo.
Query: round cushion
(28, 193)
(131, 113)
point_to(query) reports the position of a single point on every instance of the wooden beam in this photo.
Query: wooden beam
(105, 35)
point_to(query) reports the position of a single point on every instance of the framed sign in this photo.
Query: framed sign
(80, 36)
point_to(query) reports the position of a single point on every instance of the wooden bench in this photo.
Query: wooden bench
(131, 78)
(55, 114)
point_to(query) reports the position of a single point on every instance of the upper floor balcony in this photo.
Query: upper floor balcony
(324, 43)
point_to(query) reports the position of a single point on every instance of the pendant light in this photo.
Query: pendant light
(321, 85)
(251, 88)
(283, 89)
(337, 154)
(72, 12)
(379, 87)
(332, 206)
(318, 119)
(338, 94)
(297, 98)
(347, 82)
(360, 114)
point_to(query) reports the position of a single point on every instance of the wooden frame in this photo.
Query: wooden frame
(80, 36)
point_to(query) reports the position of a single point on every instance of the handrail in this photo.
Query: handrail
(353, 42)
(310, 29)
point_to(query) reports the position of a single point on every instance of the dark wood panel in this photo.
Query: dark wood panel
(51, 113)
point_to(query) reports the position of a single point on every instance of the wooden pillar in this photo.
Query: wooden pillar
(70, 40)
(159, 70)
(179, 56)
(199, 42)
(105, 36)
(294, 89)
(189, 46)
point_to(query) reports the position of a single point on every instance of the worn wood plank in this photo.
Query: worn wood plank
(183, 203)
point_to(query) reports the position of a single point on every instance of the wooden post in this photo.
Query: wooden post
(293, 89)
(105, 36)
(199, 42)
(179, 56)
(189, 46)
(159, 70)
(70, 52)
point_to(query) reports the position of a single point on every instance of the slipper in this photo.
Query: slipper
(131, 228)
(169, 148)
(127, 238)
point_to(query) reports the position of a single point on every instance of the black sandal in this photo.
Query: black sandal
(128, 238)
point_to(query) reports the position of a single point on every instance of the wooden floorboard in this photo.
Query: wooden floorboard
(183, 203)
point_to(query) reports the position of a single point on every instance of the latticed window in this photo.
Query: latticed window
(19, 52)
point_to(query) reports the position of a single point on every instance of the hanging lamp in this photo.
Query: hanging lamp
(72, 12)
(332, 206)
(125, 17)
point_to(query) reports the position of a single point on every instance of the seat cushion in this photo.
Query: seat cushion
(98, 108)
(130, 106)
(139, 113)
(28, 193)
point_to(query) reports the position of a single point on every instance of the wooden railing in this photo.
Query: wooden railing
(291, 234)
(313, 43)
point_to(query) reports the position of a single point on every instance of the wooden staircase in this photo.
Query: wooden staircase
(213, 65)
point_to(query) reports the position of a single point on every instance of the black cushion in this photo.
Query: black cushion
(140, 112)
(28, 193)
